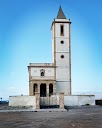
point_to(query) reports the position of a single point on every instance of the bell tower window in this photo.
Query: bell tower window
(61, 30)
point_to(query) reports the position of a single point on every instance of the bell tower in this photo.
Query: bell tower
(62, 52)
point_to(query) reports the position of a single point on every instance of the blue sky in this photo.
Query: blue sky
(25, 37)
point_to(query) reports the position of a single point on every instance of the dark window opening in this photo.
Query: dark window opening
(50, 89)
(35, 88)
(43, 90)
(42, 73)
(62, 56)
(62, 30)
(62, 42)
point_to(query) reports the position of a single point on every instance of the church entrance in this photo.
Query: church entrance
(43, 90)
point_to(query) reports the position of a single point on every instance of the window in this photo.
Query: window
(50, 89)
(62, 30)
(62, 42)
(42, 72)
(35, 88)
(62, 56)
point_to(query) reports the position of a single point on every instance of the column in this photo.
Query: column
(39, 87)
(37, 95)
(61, 100)
(47, 87)
(31, 88)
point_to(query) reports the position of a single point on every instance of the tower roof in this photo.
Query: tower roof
(60, 14)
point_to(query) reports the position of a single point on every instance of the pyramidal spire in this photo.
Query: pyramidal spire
(60, 14)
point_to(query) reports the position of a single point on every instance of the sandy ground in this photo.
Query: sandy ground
(77, 117)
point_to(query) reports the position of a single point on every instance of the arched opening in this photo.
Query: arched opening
(42, 72)
(35, 88)
(50, 89)
(43, 90)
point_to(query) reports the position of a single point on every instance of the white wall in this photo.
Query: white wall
(86, 100)
(63, 86)
(22, 101)
(62, 74)
(62, 47)
(62, 65)
(36, 71)
(62, 62)
(79, 100)
(66, 29)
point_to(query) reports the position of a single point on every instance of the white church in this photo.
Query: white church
(52, 81)
(53, 78)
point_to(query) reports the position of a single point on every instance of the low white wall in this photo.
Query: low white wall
(71, 100)
(83, 100)
(78, 100)
(22, 101)
(74, 100)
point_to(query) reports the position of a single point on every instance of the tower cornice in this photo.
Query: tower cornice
(61, 21)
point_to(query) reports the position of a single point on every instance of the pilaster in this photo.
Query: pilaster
(54, 88)
(38, 87)
(31, 88)
(37, 95)
(61, 100)
(47, 87)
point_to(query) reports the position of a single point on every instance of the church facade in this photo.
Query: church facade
(50, 83)
(53, 78)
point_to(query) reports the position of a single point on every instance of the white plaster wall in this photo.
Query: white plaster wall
(62, 47)
(36, 71)
(60, 61)
(66, 29)
(79, 100)
(62, 65)
(62, 74)
(71, 100)
(22, 101)
(86, 100)
(63, 86)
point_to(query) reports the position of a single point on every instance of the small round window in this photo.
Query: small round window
(62, 56)
(62, 42)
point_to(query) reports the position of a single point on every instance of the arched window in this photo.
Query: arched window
(42, 72)
(35, 88)
(50, 89)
